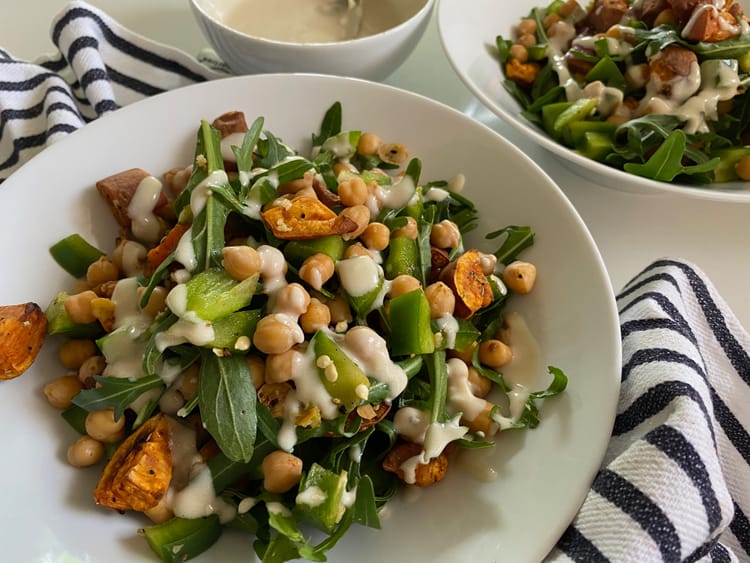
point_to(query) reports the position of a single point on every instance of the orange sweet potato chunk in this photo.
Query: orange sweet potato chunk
(23, 329)
(138, 475)
(304, 218)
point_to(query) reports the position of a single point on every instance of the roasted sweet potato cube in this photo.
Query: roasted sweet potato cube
(139, 473)
(304, 218)
(229, 123)
(523, 74)
(23, 329)
(468, 282)
(118, 190)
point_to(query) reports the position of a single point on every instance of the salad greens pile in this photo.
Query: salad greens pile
(237, 421)
(659, 90)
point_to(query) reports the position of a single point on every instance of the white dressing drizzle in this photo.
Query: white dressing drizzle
(396, 195)
(233, 139)
(199, 499)
(144, 224)
(359, 275)
(311, 496)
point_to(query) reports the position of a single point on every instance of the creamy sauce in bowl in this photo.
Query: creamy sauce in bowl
(309, 21)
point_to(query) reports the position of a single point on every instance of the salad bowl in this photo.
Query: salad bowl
(468, 32)
(541, 475)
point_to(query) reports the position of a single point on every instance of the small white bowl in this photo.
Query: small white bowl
(390, 31)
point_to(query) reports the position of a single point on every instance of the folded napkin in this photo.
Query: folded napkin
(675, 481)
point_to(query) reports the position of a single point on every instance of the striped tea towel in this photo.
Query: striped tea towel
(675, 483)
(99, 67)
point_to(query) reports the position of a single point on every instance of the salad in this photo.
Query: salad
(658, 88)
(279, 343)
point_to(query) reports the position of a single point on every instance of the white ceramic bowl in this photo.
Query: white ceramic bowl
(390, 31)
(468, 30)
(543, 474)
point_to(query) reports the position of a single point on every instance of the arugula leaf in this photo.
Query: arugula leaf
(518, 238)
(330, 126)
(244, 154)
(665, 163)
(116, 392)
(438, 373)
(227, 404)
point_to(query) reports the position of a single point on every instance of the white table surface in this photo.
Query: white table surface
(631, 230)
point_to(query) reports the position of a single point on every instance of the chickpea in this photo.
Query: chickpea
(281, 471)
(102, 426)
(85, 451)
(61, 390)
(665, 17)
(317, 269)
(483, 421)
(187, 384)
(568, 8)
(157, 301)
(295, 186)
(495, 353)
(480, 386)
(281, 367)
(360, 214)
(526, 25)
(240, 262)
(466, 355)
(356, 249)
(92, 366)
(488, 263)
(340, 167)
(743, 168)
(74, 352)
(393, 153)
(527, 40)
(291, 299)
(520, 276)
(441, 298)
(550, 20)
(78, 306)
(353, 191)
(103, 270)
(369, 143)
(171, 401)
(275, 333)
(317, 316)
(445, 234)
(161, 512)
(520, 52)
(615, 32)
(257, 367)
(409, 230)
(403, 284)
(376, 236)
(339, 310)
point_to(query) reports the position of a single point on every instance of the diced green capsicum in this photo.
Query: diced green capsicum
(228, 329)
(411, 330)
(578, 110)
(342, 378)
(403, 257)
(213, 294)
(725, 170)
(75, 255)
(320, 498)
(296, 251)
(354, 274)
(180, 539)
(59, 321)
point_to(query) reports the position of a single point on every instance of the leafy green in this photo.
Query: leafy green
(227, 403)
(517, 239)
(115, 392)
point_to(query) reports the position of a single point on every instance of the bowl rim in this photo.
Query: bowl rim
(322, 45)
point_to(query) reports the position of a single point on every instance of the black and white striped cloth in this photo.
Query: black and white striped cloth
(99, 67)
(675, 482)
